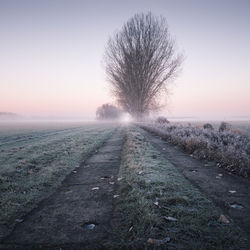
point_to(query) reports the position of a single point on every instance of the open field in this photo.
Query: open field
(113, 186)
(35, 158)
(157, 204)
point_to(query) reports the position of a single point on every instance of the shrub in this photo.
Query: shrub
(162, 120)
(224, 126)
(193, 143)
(208, 126)
(231, 150)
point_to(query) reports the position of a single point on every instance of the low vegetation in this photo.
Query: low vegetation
(33, 164)
(157, 206)
(231, 149)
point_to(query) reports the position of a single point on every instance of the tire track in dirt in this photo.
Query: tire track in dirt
(83, 201)
(215, 182)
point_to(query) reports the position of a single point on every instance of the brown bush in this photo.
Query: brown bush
(224, 126)
(162, 120)
(208, 126)
(192, 144)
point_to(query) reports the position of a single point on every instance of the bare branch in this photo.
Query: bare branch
(140, 61)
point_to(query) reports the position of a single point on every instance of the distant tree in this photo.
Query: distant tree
(162, 120)
(140, 61)
(208, 126)
(224, 126)
(108, 112)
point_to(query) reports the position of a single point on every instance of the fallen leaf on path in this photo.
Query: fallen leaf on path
(16, 204)
(95, 188)
(165, 240)
(236, 206)
(89, 226)
(105, 177)
(169, 218)
(154, 241)
(158, 242)
(174, 230)
(156, 203)
(68, 191)
(19, 220)
(223, 219)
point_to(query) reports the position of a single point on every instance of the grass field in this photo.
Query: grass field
(157, 204)
(154, 205)
(34, 158)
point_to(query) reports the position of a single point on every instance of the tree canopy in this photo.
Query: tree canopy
(140, 61)
(108, 112)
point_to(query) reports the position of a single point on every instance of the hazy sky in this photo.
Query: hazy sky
(51, 53)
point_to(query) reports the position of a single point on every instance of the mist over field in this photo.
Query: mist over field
(56, 69)
(124, 124)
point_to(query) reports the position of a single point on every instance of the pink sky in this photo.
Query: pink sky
(51, 53)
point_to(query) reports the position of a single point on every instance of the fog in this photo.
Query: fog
(51, 56)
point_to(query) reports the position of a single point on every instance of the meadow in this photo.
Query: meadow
(35, 158)
(153, 203)
(158, 207)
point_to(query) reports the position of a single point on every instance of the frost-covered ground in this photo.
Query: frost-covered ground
(158, 206)
(230, 148)
(34, 158)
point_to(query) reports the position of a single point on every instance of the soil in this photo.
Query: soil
(79, 212)
(215, 182)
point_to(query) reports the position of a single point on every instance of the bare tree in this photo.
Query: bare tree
(108, 112)
(140, 60)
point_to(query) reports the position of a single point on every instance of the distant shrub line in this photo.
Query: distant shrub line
(229, 148)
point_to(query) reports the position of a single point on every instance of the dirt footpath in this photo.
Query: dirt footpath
(78, 214)
(230, 193)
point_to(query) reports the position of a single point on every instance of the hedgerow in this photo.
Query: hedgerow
(229, 148)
